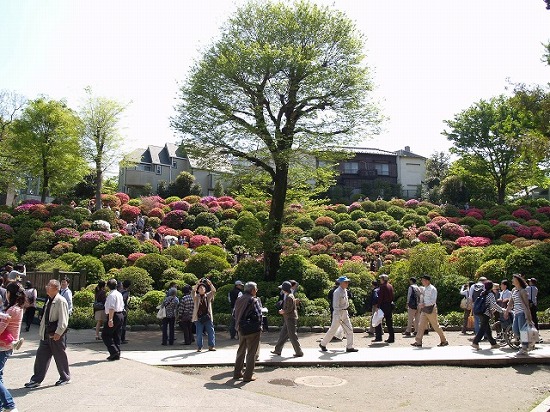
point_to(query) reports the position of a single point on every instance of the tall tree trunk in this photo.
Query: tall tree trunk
(45, 180)
(501, 193)
(98, 185)
(271, 241)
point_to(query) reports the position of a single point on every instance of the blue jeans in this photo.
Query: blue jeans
(477, 324)
(5, 395)
(209, 327)
(519, 322)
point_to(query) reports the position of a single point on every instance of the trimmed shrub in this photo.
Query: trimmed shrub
(249, 270)
(93, 266)
(215, 250)
(319, 232)
(207, 219)
(222, 304)
(155, 265)
(292, 267)
(304, 222)
(327, 263)
(178, 252)
(451, 231)
(204, 231)
(34, 258)
(141, 280)
(123, 245)
(113, 261)
(197, 208)
(104, 214)
(494, 269)
(69, 257)
(83, 298)
(89, 240)
(428, 237)
(151, 300)
(347, 225)
(466, 261)
(315, 281)
(347, 235)
(202, 263)
(50, 265)
(175, 219)
(498, 252)
(483, 231)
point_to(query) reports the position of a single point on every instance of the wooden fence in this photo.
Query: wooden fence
(77, 280)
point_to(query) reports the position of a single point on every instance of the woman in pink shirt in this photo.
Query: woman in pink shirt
(15, 296)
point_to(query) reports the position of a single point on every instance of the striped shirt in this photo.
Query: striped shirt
(491, 305)
(518, 304)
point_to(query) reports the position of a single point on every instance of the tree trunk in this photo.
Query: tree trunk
(271, 241)
(501, 193)
(98, 185)
(44, 192)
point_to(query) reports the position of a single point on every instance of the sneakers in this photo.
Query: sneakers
(522, 351)
(495, 346)
(275, 353)
(475, 346)
(32, 384)
(17, 345)
(323, 348)
(62, 382)
(212, 349)
(298, 355)
(352, 350)
(406, 333)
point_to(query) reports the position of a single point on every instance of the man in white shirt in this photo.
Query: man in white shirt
(428, 313)
(114, 308)
(67, 294)
(340, 304)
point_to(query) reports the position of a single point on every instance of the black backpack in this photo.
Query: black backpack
(480, 305)
(413, 300)
(250, 322)
(477, 291)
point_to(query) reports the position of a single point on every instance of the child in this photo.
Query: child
(7, 337)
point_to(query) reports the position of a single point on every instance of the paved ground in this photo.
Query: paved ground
(130, 386)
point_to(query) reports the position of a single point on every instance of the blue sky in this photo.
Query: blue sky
(430, 59)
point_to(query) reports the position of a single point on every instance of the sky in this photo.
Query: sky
(429, 59)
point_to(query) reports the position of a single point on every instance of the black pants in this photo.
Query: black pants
(28, 316)
(123, 328)
(168, 330)
(387, 308)
(232, 331)
(484, 330)
(534, 316)
(187, 327)
(47, 349)
(111, 335)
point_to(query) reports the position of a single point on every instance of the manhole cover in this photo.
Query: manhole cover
(320, 381)
(282, 382)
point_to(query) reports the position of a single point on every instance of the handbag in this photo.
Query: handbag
(99, 306)
(471, 322)
(377, 318)
(161, 314)
(464, 303)
(51, 327)
(428, 309)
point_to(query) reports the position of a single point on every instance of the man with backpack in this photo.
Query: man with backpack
(475, 292)
(413, 298)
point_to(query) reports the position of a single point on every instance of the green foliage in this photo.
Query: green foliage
(137, 316)
(105, 214)
(347, 225)
(249, 228)
(223, 233)
(93, 266)
(249, 270)
(212, 249)
(483, 231)
(532, 261)
(207, 219)
(348, 235)
(113, 260)
(155, 265)
(69, 257)
(319, 232)
(151, 300)
(82, 318)
(304, 222)
(316, 282)
(292, 267)
(50, 265)
(494, 269)
(123, 245)
(33, 259)
(498, 251)
(141, 280)
(221, 303)
(502, 229)
(466, 261)
(178, 252)
(327, 263)
(83, 298)
(426, 259)
(202, 263)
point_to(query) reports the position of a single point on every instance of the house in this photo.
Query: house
(156, 164)
(376, 172)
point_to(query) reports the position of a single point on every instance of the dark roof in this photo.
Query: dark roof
(407, 153)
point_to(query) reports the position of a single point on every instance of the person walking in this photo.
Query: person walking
(53, 338)
(248, 322)
(339, 335)
(125, 292)
(467, 306)
(67, 294)
(114, 307)
(428, 313)
(491, 307)
(290, 323)
(185, 315)
(475, 291)
(413, 299)
(519, 306)
(99, 307)
(385, 302)
(202, 312)
(532, 293)
(232, 296)
(340, 316)
(15, 297)
(170, 303)
(30, 304)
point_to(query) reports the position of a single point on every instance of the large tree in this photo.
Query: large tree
(282, 79)
(46, 144)
(102, 140)
(496, 137)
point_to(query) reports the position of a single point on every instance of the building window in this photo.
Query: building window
(351, 168)
(143, 168)
(158, 169)
(382, 169)
(174, 164)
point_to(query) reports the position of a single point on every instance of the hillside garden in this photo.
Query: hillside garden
(319, 243)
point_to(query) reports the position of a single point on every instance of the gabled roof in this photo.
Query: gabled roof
(154, 151)
(365, 150)
(407, 153)
(173, 150)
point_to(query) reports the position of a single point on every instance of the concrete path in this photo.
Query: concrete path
(382, 356)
